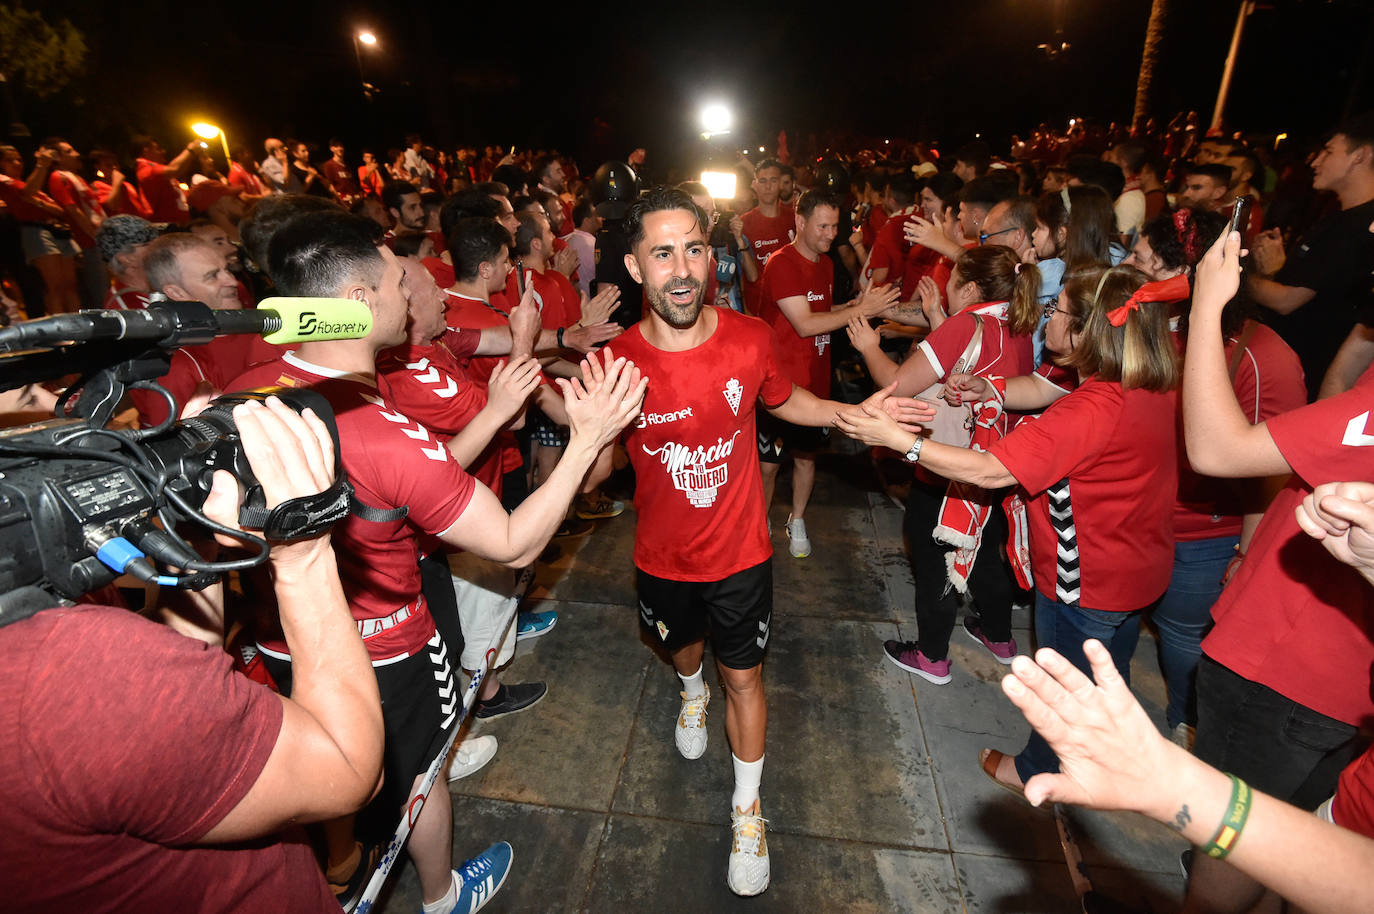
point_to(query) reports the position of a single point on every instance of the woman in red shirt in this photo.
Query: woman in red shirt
(993, 297)
(43, 229)
(1095, 465)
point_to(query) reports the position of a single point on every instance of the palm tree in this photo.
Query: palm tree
(1154, 38)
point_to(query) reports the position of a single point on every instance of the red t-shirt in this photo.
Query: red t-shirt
(442, 272)
(339, 178)
(123, 298)
(1108, 443)
(124, 743)
(890, 249)
(1293, 618)
(22, 208)
(766, 236)
(1354, 806)
(133, 202)
(391, 460)
(429, 384)
(999, 353)
(872, 224)
(558, 301)
(699, 495)
(371, 184)
(1268, 383)
(245, 181)
(69, 190)
(163, 193)
(218, 362)
(804, 359)
(474, 314)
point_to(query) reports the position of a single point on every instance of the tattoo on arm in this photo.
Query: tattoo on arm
(1181, 818)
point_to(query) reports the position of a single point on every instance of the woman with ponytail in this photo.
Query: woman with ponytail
(958, 534)
(1095, 465)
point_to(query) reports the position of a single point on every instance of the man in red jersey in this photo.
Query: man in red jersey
(393, 462)
(123, 242)
(796, 302)
(701, 544)
(769, 226)
(160, 180)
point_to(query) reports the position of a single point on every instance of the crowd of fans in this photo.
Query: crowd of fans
(1104, 416)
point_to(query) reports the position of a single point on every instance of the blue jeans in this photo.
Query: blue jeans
(1184, 616)
(1065, 628)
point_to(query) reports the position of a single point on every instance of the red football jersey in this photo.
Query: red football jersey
(766, 236)
(1293, 618)
(804, 359)
(68, 189)
(163, 193)
(999, 353)
(474, 314)
(890, 250)
(392, 461)
(699, 495)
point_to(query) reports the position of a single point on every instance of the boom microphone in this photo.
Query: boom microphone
(169, 324)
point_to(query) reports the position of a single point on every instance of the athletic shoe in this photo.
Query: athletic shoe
(470, 756)
(1002, 650)
(510, 699)
(908, 656)
(574, 526)
(532, 625)
(747, 871)
(349, 891)
(481, 877)
(596, 506)
(690, 733)
(799, 545)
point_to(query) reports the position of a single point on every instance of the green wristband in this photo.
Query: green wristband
(1237, 811)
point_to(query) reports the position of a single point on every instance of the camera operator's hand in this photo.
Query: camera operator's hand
(737, 229)
(292, 456)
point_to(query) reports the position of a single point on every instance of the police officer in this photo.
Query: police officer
(614, 188)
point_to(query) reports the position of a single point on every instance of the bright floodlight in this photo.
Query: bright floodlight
(721, 184)
(205, 131)
(367, 38)
(716, 118)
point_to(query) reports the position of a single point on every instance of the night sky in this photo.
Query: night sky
(599, 84)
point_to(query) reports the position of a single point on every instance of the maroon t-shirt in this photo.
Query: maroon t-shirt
(124, 743)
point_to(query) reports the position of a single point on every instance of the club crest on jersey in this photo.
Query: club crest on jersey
(698, 471)
(822, 340)
(734, 394)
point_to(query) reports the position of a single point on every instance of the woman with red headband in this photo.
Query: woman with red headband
(1095, 464)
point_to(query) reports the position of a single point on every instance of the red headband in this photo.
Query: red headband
(1175, 288)
(1186, 228)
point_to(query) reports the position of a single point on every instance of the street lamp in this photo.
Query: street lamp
(716, 120)
(209, 132)
(360, 38)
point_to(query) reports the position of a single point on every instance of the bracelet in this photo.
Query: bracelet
(560, 337)
(1237, 811)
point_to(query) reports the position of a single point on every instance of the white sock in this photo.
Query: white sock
(446, 903)
(693, 684)
(748, 776)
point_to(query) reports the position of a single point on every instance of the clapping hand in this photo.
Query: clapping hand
(1341, 516)
(609, 394)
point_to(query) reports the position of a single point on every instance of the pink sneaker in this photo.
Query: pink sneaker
(1002, 650)
(908, 656)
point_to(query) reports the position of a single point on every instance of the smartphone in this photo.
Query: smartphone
(520, 276)
(1240, 214)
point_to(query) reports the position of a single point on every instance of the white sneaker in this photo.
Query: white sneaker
(747, 872)
(800, 545)
(690, 733)
(470, 755)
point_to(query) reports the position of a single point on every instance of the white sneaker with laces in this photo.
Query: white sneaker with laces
(799, 545)
(690, 733)
(747, 871)
(470, 755)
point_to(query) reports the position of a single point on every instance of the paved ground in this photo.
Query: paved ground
(871, 787)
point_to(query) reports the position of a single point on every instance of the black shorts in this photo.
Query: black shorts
(779, 440)
(416, 718)
(737, 611)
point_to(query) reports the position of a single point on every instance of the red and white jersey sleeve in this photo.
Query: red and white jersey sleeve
(804, 359)
(999, 352)
(699, 495)
(1293, 618)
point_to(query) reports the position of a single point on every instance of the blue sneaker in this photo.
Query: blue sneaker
(482, 877)
(532, 625)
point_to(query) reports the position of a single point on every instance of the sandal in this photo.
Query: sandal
(990, 760)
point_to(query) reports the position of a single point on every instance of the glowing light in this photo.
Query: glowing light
(721, 184)
(716, 119)
(760, 149)
(205, 131)
(367, 38)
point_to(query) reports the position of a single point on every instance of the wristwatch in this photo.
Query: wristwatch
(913, 453)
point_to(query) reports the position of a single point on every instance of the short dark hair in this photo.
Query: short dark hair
(1132, 156)
(787, 170)
(975, 153)
(584, 209)
(984, 191)
(1021, 214)
(493, 188)
(657, 200)
(513, 176)
(767, 163)
(525, 233)
(542, 165)
(815, 198)
(945, 185)
(903, 188)
(1214, 170)
(1092, 170)
(317, 253)
(393, 191)
(473, 242)
(431, 199)
(468, 204)
(1358, 130)
(269, 215)
(408, 245)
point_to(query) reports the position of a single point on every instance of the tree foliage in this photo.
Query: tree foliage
(43, 57)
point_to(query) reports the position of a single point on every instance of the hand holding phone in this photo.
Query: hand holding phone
(1240, 215)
